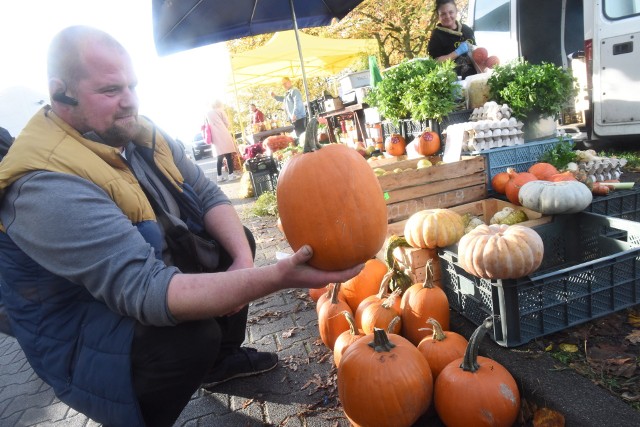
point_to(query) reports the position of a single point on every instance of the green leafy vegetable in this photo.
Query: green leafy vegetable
(560, 155)
(532, 90)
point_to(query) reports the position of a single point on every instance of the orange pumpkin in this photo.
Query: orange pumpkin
(421, 302)
(516, 181)
(364, 284)
(346, 338)
(309, 186)
(379, 314)
(331, 321)
(499, 182)
(441, 348)
(376, 367)
(428, 143)
(543, 170)
(315, 294)
(327, 296)
(564, 176)
(395, 144)
(475, 390)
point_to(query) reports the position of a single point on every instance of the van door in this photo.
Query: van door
(616, 68)
(494, 26)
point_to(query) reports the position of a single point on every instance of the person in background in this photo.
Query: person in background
(293, 105)
(218, 122)
(451, 39)
(87, 274)
(257, 118)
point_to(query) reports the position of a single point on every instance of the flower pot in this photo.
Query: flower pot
(538, 128)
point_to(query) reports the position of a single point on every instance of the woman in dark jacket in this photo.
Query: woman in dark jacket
(450, 39)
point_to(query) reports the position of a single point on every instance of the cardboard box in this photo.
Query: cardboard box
(333, 104)
(438, 186)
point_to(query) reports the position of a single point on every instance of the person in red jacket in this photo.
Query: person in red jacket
(257, 118)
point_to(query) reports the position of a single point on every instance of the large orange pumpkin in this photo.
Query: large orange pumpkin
(475, 390)
(331, 200)
(428, 143)
(395, 144)
(383, 380)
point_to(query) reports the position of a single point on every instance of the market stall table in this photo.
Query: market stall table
(352, 112)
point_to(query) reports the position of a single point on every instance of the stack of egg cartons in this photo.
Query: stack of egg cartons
(490, 126)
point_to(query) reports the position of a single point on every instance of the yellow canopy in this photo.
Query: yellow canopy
(279, 57)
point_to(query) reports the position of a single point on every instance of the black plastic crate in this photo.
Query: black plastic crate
(263, 181)
(587, 272)
(460, 116)
(389, 128)
(262, 163)
(619, 204)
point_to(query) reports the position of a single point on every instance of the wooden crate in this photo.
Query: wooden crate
(439, 186)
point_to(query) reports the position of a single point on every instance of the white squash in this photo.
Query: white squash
(551, 198)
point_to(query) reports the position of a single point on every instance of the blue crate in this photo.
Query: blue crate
(586, 273)
(518, 157)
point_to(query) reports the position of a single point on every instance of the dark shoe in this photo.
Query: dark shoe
(244, 362)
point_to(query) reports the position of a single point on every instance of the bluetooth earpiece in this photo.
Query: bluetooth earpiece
(65, 99)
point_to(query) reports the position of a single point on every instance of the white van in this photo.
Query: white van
(597, 38)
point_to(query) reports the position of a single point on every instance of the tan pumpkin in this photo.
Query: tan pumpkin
(552, 198)
(421, 302)
(434, 228)
(500, 251)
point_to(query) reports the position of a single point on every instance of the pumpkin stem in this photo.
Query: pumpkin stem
(351, 321)
(392, 243)
(381, 341)
(384, 284)
(428, 278)
(391, 299)
(438, 333)
(470, 360)
(392, 325)
(335, 290)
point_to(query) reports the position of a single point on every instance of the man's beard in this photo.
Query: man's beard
(119, 136)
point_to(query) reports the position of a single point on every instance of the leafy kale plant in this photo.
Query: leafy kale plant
(532, 90)
(419, 89)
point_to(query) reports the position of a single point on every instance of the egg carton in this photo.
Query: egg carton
(491, 110)
(603, 168)
(483, 135)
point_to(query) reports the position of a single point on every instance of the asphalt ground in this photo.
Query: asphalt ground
(301, 391)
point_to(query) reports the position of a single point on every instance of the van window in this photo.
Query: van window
(618, 9)
(491, 15)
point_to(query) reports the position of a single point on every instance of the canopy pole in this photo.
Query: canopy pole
(304, 75)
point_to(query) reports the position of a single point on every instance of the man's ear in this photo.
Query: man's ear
(56, 85)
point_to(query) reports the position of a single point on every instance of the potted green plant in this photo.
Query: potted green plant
(536, 93)
(419, 89)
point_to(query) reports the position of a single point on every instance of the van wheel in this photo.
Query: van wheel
(196, 156)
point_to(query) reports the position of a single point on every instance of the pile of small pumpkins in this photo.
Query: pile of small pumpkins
(391, 341)
(544, 189)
